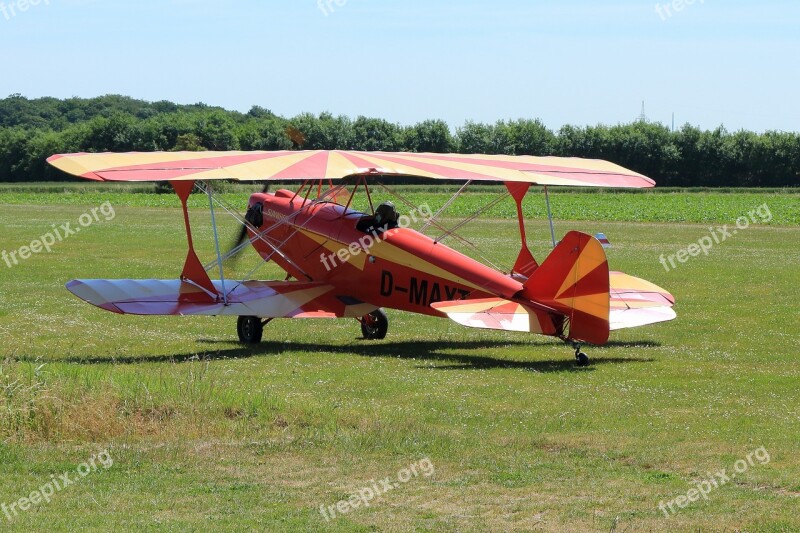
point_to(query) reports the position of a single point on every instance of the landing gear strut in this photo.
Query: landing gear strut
(580, 357)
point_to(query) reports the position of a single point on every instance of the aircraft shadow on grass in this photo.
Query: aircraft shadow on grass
(452, 352)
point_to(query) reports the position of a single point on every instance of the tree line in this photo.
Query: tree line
(33, 129)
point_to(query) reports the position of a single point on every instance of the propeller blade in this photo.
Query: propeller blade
(242, 237)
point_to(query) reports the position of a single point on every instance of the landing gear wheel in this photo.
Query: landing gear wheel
(374, 325)
(250, 329)
(580, 357)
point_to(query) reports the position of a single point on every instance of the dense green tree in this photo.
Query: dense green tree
(188, 142)
(13, 154)
(16, 110)
(429, 136)
(704, 155)
(477, 138)
(260, 112)
(591, 142)
(33, 129)
(774, 154)
(644, 147)
(323, 132)
(529, 137)
(516, 137)
(118, 133)
(374, 134)
(216, 131)
(39, 148)
(264, 134)
(739, 148)
(164, 130)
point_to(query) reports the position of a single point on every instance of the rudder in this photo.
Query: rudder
(574, 280)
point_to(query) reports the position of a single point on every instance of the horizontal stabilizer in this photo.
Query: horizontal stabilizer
(265, 299)
(636, 302)
(496, 313)
(633, 318)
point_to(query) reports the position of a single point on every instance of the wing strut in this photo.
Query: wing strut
(550, 216)
(193, 270)
(526, 264)
(216, 244)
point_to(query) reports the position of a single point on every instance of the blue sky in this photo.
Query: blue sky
(735, 63)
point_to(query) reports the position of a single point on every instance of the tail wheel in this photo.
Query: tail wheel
(250, 329)
(581, 358)
(374, 325)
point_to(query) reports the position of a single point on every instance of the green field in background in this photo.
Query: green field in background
(671, 205)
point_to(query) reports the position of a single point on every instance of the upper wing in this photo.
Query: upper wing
(337, 164)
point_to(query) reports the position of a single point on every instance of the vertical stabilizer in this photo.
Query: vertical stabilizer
(574, 280)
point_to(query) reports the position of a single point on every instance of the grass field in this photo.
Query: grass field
(205, 434)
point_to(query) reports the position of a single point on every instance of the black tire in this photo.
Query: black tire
(375, 325)
(250, 329)
(583, 359)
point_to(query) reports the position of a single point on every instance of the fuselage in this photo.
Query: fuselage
(398, 269)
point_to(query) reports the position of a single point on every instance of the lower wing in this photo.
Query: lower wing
(265, 299)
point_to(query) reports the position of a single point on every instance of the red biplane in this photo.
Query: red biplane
(345, 263)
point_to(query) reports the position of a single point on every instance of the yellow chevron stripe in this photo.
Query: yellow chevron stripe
(265, 168)
(590, 258)
(496, 172)
(334, 246)
(593, 304)
(385, 251)
(393, 254)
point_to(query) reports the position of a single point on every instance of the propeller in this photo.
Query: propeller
(242, 237)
